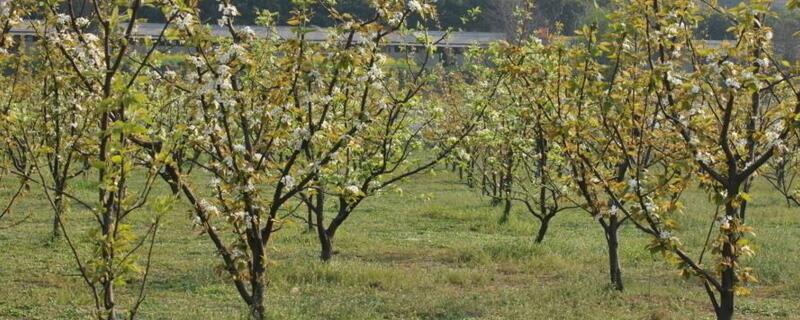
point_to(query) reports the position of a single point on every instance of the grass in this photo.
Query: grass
(434, 252)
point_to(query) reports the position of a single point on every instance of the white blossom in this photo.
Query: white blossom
(288, 181)
(732, 83)
(258, 157)
(239, 215)
(352, 189)
(249, 187)
(5, 10)
(228, 161)
(694, 141)
(650, 206)
(248, 32)
(725, 221)
(197, 61)
(673, 79)
(704, 157)
(209, 208)
(414, 6)
(184, 21)
(228, 10)
(215, 182)
(62, 19)
(82, 22)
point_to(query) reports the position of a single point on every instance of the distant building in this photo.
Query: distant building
(451, 48)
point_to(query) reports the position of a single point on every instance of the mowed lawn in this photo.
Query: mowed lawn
(433, 251)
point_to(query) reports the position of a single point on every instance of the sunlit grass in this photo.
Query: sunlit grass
(435, 251)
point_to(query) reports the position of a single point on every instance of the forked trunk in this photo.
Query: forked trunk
(326, 247)
(326, 235)
(545, 224)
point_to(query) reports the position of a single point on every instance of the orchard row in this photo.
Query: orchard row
(254, 131)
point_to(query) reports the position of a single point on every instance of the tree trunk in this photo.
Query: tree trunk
(258, 285)
(107, 256)
(484, 189)
(325, 241)
(310, 219)
(506, 211)
(108, 300)
(326, 235)
(257, 308)
(612, 237)
(727, 296)
(326, 246)
(58, 201)
(543, 229)
(470, 177)
(59, 204)
(495, 190)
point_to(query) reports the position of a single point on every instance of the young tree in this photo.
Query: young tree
(93, 101)
(540, 183)
(577, 91)
(723, 117)
(14, 164)
(269, 115)
(408, 136)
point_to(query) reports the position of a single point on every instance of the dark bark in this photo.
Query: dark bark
(484, 182)
(470, 177)
(257, 308)
(506, 211)
(310, 220)
(326, 245)
(729, 280)
(545, 224)
(615, 271)
(59, 204)
(343, 213)
(506, 181)
(109, 303)
(326, 234)
(495, 190)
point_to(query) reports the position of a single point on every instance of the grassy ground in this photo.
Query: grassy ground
(434, 252)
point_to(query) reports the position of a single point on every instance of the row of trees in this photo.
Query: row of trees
(253, 131)
(247, 128)
(621, 123)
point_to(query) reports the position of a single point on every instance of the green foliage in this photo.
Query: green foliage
(633, 121)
